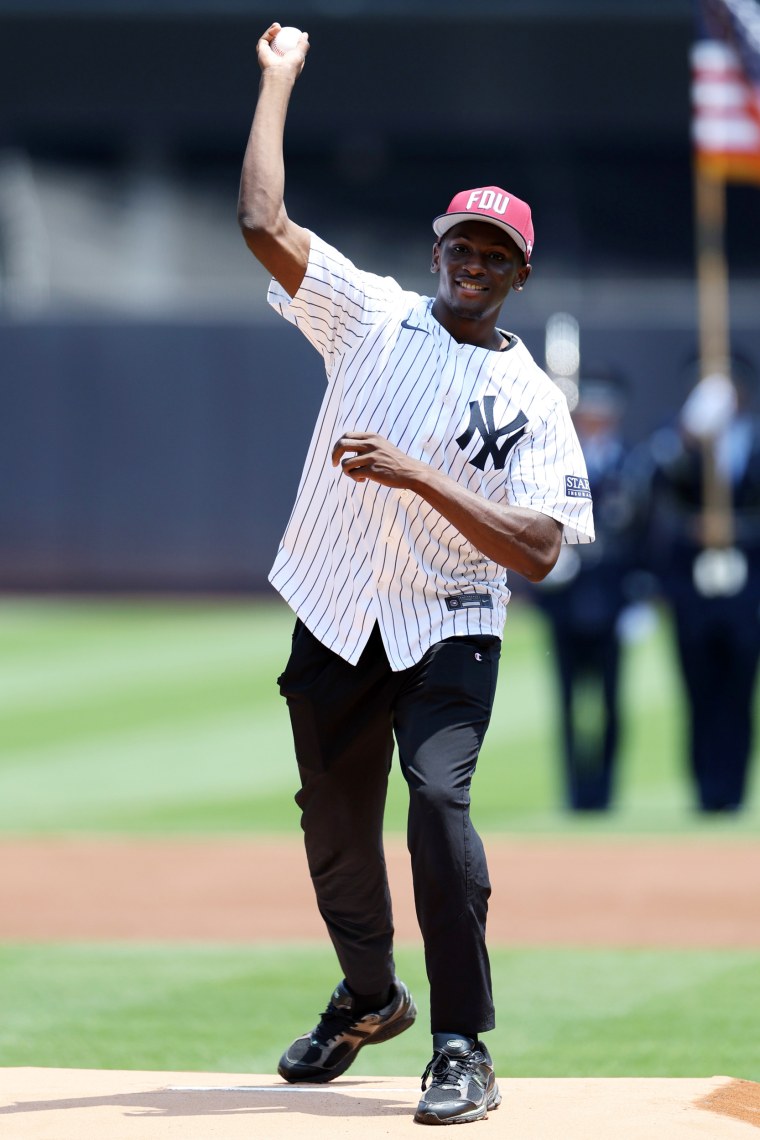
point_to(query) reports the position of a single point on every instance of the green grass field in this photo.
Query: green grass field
(164, 718)
(224, 1009)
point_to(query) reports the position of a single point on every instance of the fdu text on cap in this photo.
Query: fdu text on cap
(494, 205)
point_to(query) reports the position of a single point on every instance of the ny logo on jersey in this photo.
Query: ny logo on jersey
(482, 420)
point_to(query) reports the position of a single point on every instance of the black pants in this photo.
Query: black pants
(589, 672)
(719, 648)
(344, 718)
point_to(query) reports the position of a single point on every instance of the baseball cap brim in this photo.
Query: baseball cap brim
(444, 222)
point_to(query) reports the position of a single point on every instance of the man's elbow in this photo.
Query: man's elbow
(260, 217)
(539, 568)
(257, 233)
(544, 556)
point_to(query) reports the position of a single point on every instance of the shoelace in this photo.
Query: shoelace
(332, 1022)
(442, 1065)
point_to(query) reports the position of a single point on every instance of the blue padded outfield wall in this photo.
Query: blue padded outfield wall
(155, 457)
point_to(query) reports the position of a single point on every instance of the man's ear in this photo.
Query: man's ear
(522, 277)
(435, 261)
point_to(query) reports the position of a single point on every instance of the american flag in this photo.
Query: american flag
(725, 62)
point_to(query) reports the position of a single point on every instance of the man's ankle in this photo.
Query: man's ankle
(457, 1041)
(370, 1003)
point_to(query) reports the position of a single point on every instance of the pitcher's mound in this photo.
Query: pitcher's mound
(76, 1104)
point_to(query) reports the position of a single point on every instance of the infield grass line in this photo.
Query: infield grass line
(561, 1012)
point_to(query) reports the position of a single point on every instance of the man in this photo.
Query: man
(441, 455)
(713, 589)
(585, 596)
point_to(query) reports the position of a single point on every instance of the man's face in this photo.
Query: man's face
(478, 264)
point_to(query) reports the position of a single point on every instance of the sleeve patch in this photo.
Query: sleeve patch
(576, 487)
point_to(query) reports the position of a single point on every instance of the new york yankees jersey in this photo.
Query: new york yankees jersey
(358, 553)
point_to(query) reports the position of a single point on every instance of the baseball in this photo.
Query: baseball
(285, 40)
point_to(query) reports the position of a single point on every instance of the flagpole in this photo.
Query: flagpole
(714, 342)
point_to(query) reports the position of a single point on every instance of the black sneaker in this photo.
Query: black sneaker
(463, 1086)
(332, 1045)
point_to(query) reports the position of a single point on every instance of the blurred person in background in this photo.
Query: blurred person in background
(585, 597)
(712, 588)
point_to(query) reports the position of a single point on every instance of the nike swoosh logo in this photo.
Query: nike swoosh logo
(412, 328)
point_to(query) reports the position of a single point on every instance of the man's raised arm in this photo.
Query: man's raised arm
(279, 244)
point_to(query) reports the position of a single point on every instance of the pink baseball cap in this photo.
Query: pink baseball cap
(494, 205)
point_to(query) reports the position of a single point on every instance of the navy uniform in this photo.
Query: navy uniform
(583, 599)
(714, 597)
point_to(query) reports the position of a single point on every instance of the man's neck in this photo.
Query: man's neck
(481, 334)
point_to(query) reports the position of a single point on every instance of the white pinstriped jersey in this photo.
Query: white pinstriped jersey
(358, 553)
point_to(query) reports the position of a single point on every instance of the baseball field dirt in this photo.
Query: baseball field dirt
(623, 892)
(591, 892)
(70, 1104)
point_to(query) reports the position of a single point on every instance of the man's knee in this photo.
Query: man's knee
(435, 799)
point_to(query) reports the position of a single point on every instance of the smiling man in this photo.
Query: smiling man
(442, 458)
